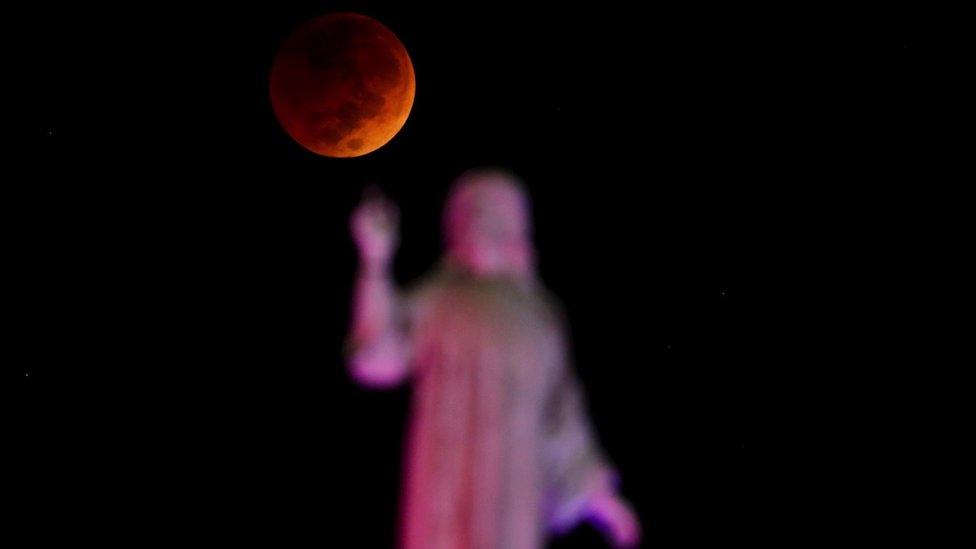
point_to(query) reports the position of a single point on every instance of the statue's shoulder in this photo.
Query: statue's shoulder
(428, 286)
(552, 306)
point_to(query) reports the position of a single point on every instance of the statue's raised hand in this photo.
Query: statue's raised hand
(375, 228)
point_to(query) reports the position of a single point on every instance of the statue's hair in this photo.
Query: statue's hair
(467, 185)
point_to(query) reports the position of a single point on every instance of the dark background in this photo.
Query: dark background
(713, 188)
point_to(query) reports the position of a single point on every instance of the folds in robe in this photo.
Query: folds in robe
(500, 451)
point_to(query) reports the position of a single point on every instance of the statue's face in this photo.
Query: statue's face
(489, 230)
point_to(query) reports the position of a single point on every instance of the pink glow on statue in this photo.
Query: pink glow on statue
(500, 451)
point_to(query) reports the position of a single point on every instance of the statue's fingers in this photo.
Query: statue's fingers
(372, 193)
(393, 211)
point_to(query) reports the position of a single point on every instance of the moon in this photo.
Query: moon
(342, 85)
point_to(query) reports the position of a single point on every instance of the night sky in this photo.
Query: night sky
(708, 184)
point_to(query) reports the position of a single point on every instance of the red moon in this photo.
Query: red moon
(342, 85)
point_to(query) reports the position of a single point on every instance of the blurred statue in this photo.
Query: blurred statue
(500, 452)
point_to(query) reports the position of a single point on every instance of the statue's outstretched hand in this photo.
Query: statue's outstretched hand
(375, 228)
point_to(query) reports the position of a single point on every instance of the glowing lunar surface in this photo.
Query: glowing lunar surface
(342, 85)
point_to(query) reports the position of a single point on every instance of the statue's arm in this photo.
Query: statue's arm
(377, 343)
(583, 482)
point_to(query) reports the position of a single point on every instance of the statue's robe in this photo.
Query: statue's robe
(500, 452)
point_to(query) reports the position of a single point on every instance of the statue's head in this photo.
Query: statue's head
(487, 225)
